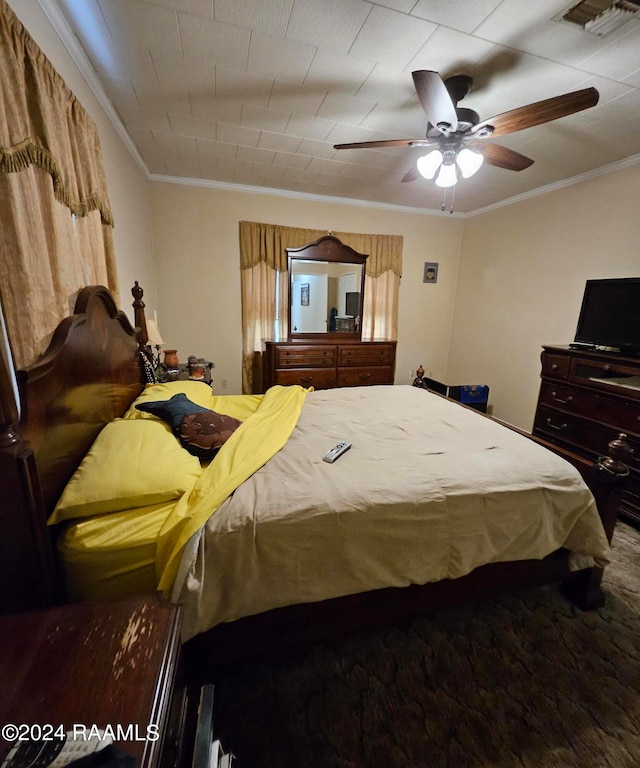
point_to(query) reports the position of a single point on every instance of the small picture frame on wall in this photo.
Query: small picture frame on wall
(304, 294)
(430, 272)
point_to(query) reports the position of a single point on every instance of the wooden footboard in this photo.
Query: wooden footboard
(284, 630)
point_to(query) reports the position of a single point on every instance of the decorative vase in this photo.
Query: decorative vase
(171, 358)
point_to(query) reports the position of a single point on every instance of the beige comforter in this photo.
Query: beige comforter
(430, 490)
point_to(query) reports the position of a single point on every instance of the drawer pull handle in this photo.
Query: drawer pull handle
(554, 367)
(364, 376)
(607, 367)
(554, 395)
(306, 379)
(555, 426)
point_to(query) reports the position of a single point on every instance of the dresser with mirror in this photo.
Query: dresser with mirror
(324, 346)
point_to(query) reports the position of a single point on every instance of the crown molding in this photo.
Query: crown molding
(604, 170)
(210, 184)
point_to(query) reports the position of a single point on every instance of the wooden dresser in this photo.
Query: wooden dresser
(326, 364)
(114, 666)
(586, 399)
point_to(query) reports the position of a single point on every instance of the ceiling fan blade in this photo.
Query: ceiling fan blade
(412, 174)
(502, 157)
(536, 113)
(385, 143)
(435, 99)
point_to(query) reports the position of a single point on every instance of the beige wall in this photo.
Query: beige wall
(522, 274)
(509, 281)
(128, 185)
(195, 232)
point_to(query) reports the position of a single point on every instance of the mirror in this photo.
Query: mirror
(326, 289)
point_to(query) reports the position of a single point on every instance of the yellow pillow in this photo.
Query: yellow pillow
(132, 463)
(197, 391)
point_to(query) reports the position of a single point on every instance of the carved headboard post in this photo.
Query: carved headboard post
(139, 316)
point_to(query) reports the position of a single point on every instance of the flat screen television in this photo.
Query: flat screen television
(610, 314)
(352, 303)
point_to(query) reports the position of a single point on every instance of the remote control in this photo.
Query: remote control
(337, 451)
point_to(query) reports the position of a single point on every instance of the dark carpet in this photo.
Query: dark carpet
(519, 681)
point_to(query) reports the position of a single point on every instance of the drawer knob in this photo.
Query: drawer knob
(607, 367)
(554, 367)
(555, 426)
(554, 395)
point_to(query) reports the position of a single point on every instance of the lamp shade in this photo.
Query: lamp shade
(447, 176)
(469, 162)
(428, 164)
(155, 339)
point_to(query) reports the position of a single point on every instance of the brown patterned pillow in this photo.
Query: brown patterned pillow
(200, 430)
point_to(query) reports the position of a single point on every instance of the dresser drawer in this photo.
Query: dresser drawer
(323, 365)
(366, 354)
(609, 376)
(305, 356)
(319, 378)
(607, 410)
(358, 377)
(555, 366)
(570, 429)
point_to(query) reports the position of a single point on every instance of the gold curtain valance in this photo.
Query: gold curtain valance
(43, 124)
(267, 242)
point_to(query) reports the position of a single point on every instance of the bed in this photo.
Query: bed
(266, 546)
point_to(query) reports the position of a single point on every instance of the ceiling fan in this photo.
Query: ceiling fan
(457, 136)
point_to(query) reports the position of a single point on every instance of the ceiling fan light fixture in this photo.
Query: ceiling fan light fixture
(448, 175)
(469, 161)
(428, 164)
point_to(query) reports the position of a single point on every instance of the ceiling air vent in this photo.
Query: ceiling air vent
(602, 16)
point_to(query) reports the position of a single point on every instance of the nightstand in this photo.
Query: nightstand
(185, 372)
(114, 666)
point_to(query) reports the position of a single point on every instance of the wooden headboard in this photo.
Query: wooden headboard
(88, 376)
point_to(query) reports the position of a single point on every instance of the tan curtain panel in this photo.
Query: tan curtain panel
(385, 251)
(267, 242)
(55, 215)
(263, 264)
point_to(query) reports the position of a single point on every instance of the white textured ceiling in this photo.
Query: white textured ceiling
(257, 92)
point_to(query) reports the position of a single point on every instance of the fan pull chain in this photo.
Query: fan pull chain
(444, 199)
